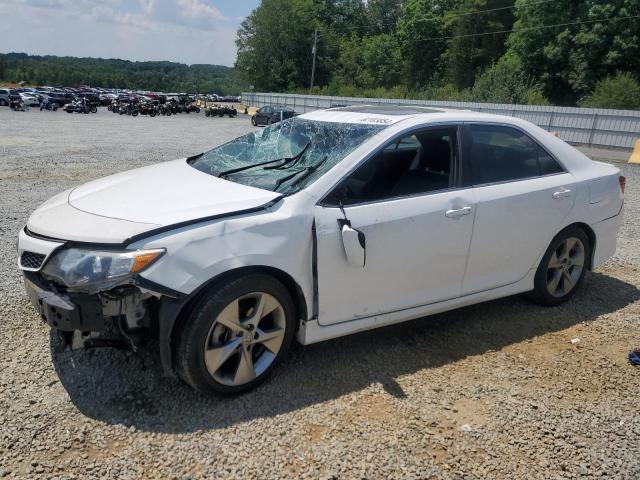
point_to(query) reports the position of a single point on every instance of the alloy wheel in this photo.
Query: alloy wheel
(245, 339)
(565, 267)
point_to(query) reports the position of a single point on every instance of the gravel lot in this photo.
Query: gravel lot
(491, 391)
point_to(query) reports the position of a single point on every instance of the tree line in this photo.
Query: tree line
(112, 73)
(565, 52)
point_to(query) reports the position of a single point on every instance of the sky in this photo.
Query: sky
(186, 31)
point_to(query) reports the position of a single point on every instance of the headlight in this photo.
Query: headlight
(93, 270)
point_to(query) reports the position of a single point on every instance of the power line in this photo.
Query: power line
(526, 29)
(336, 42)
(478, 12)
(446, 16)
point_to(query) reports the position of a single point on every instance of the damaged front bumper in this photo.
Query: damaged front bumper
(66, 312)
(124, 316)
(121, 317)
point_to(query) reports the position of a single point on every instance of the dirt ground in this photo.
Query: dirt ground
(497, 390)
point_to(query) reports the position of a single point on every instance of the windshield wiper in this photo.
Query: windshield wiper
(285, 161)
(305, 171)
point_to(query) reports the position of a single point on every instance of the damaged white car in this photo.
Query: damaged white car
(326, 224)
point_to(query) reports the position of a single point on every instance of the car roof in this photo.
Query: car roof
(391, 110)
(410, 115)
(376, 114)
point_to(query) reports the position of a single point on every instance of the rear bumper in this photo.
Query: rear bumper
(606, 239)
(66, 312)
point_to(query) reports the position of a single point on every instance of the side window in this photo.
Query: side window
(548, 164)
(500, 154)
(421, 162)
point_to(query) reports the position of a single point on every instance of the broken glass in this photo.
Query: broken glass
(329, 143)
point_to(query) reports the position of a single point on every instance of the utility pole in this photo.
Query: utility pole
(313, 52)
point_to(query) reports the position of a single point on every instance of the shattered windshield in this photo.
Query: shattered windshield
(286, 156)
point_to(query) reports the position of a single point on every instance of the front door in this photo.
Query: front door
(417, 226)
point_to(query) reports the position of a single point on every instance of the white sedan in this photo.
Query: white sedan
(326, 224)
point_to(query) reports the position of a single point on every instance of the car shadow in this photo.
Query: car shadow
(119, 387)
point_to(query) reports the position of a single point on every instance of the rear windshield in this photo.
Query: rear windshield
(320, 145)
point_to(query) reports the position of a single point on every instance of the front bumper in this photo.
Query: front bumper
(66, 312)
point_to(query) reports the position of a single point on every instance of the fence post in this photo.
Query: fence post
(594, 126)
(551, 120)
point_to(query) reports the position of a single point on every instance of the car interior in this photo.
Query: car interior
(414, 164)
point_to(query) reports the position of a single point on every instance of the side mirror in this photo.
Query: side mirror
(354, 245)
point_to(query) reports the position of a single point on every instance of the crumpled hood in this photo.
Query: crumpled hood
(165, 194)
(115, 208)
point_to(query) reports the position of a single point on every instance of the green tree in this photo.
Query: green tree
(383, 15)
(570, 59)
(274, 45)
(420, 35)
(162, 76)
(382, 60)
(621, 91)
(471, 49)
(506, 82)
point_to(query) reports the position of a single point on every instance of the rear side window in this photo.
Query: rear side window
(501, 154)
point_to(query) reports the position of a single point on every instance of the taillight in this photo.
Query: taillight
(623, 182)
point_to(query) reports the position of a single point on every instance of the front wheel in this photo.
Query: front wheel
(562, 268)
(236, 335)
(94, 109)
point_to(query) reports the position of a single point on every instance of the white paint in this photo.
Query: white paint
(418, 260)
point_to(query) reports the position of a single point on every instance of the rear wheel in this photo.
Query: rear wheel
(236, 335)
(562, 268)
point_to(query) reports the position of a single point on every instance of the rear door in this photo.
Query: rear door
(523, 196)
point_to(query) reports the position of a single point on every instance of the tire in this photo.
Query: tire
(562, 268)
(247, 361)
(134, 113)
(253, 121)
(94, 110)
(152, 114)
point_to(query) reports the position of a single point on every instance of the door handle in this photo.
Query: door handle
(458, 213)
(565, 192)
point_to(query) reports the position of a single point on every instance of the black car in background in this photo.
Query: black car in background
(272, 114)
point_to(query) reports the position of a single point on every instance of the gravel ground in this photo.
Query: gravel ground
(496, 390)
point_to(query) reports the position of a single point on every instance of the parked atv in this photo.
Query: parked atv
(147, 108)
(16, 104)
(47, 104)
(80, 106)
(165, 109)
(192, 107)
(220, 111)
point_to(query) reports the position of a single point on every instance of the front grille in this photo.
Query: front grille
(31, 260)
